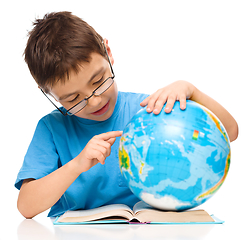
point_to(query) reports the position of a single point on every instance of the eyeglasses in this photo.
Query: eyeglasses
(98, 91)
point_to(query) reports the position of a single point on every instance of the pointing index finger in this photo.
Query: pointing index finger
(108, 135)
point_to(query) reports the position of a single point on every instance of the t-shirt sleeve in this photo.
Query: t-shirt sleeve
(41, 158)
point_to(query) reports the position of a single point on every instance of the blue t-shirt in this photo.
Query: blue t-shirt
(58, 139)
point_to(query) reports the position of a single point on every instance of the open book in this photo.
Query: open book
(141, 213)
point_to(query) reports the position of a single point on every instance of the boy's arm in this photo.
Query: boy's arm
(182, 90)
(36, 196)
(225, 117)
(39, 195)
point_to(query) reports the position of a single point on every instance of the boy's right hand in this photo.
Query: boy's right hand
(97, 150)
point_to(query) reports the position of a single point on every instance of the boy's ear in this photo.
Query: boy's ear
(108, 50)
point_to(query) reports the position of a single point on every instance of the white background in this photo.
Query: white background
(154, 43)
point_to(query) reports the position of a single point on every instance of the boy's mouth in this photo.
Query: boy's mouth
(102, 110)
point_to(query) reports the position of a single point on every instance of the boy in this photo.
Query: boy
(73, 64)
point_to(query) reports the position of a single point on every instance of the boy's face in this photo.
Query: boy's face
(81, 85)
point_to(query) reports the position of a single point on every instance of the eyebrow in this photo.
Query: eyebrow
(91, 78)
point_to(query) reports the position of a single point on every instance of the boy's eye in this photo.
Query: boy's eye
(99, 81)
(74, 98)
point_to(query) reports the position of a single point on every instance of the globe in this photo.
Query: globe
(175, 161)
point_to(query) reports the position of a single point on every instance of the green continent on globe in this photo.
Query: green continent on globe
(124, 158)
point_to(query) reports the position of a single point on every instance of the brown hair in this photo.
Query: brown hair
(57, 45)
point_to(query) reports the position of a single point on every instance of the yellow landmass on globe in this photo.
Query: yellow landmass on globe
(141, 168)
(218, 185)
(124, 159)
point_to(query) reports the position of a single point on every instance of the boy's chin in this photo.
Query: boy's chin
(103, 117)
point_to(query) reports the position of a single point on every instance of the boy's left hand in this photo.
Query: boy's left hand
(177, 91)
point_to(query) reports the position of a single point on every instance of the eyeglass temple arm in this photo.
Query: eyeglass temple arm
(108, 59)
(52, 102)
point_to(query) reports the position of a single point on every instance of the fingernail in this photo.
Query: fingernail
(155, 111)
(148, 109)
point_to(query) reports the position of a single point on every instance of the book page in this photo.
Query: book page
(195, 216)
(97, 213)
(146, 213)
(140, 206)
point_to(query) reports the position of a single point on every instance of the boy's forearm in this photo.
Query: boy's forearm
(39, 195)
(225, 117)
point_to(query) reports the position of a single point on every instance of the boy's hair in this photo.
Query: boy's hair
(57, 45)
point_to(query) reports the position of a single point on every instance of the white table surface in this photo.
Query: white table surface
(44, 229)
(30, 229)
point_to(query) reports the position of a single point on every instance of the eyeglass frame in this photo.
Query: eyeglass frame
(67, 113)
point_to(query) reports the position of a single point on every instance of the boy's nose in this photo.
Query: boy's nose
(94, 101)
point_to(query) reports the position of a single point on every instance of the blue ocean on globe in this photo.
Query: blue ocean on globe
(175, 161)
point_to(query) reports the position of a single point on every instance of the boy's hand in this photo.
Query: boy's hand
(97, 150)
(177, 91)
